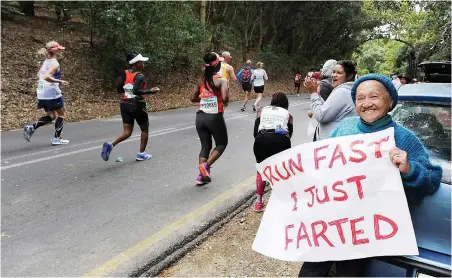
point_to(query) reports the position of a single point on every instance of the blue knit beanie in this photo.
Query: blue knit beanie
(383, 79)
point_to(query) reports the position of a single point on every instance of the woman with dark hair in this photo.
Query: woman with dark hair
(132, 86)
(212, 96)
(273, 129)
(339, 105)
(49, 94)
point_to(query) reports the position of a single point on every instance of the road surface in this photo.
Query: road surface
(66, 212)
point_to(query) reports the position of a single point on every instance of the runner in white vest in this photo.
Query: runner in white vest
(49, 94)
(272, 132)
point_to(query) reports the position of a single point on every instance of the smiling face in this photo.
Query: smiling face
(372, 101)
(339, 76)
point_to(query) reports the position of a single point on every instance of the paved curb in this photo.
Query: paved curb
(174, 253)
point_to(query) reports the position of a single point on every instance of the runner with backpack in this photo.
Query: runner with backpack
(244, 77)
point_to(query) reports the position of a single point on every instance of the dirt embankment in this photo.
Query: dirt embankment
(228, 253)
(87, 96)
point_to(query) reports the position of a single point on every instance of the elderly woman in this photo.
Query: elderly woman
(375, 95)
(339, 105)
(325, 86)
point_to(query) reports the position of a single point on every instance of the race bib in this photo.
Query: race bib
(209, 105)
(40, 86)
(272, 121)
(128, 91)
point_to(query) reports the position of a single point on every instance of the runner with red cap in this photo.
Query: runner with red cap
(49, 94)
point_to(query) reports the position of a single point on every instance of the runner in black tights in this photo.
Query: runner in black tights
(273, 129)
(212, 96)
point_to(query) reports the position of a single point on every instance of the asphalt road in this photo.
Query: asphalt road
(65, 211)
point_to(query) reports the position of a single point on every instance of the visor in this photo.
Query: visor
(138, 58)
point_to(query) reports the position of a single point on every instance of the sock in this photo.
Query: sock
(59, 127)
(258, 198)
(260, 185)
(42, 121)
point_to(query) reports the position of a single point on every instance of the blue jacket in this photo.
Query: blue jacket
(423, 176)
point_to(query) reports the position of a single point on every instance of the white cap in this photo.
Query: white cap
(138, 58)
(226, 54)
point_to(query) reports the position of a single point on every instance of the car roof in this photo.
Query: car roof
(439, 93)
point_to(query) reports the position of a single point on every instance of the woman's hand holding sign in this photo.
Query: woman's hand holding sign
(400, 159)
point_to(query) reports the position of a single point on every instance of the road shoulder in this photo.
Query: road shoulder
(228, 253)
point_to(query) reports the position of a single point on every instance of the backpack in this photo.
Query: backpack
(246, 75)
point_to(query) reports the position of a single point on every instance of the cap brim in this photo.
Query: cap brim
(62, 48)
(139, 58)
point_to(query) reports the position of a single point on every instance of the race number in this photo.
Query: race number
(128, 91)
(209, 105)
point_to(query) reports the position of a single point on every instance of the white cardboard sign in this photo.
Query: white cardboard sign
(335, 199)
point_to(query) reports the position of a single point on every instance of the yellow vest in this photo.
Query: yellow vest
(223, 71)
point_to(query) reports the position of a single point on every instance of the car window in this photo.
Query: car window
(431, 124)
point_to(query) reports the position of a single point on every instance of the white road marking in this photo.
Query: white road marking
(131, 139)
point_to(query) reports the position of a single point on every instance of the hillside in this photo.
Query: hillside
(88, 95)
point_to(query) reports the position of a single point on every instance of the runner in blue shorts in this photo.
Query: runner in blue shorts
(49, 94)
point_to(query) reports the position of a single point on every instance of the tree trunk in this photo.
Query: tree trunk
(202, 12)
(245, 41)
(275, 28)
(261, 28)
(27, 7)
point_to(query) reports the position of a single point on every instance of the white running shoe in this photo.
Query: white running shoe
(59, 141)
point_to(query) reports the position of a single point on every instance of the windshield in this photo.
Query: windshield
(432, 125)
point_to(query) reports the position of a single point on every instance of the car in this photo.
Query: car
(435, 72)
(425, 109)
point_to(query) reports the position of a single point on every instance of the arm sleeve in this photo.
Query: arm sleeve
(423, 174)
(290, 126)
(257, 122)
(139, 79)
(327, 111)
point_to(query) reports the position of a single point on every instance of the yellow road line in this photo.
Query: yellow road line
(146, 244)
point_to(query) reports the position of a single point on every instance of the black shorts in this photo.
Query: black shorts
(268, 144)
(50, 104)
(297, 85)
(259, 90)
(246, 87)
(133, 110)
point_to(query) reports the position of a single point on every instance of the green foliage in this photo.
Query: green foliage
(168, 32)
(423, 25)
(381, 56)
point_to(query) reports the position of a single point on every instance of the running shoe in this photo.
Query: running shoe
(259, 206)
(204, 169)
(200, 180)
(59, 141)
(28, 132)
(143, 156)
(243, 108)
(106, 150)
(254, 108)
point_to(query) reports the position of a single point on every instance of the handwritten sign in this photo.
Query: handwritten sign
(335, 199)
